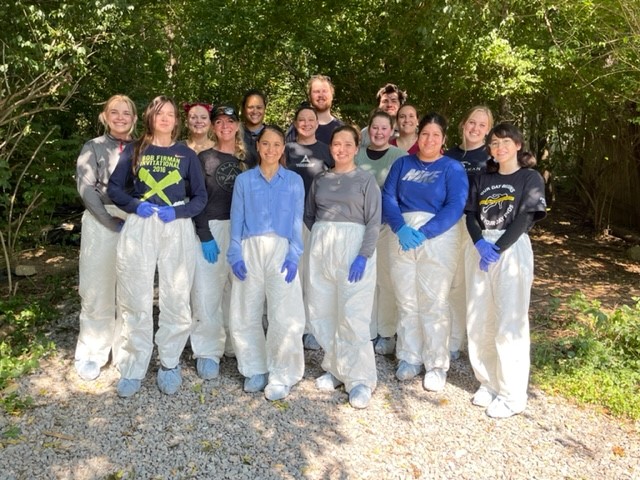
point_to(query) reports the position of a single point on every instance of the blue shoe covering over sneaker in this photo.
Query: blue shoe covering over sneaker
(87, 370)
(276, 392)
(169, 380)
(128, 387)
(327, 382)
(406, 370)
(256, 383)
(207, 368)
(359, 396)
(309, 342)
(385, 345)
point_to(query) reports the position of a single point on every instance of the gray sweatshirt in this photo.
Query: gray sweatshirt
(98, 158)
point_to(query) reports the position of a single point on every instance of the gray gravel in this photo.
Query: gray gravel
(81, 430)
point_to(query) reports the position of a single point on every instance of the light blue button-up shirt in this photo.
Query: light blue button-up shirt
(260, 207)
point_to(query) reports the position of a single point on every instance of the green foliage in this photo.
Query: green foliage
(22, 344)
(597, 359)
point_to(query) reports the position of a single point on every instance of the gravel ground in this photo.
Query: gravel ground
(209, 430)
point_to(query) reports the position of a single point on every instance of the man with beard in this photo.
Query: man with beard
(320, 92)
(390, 98)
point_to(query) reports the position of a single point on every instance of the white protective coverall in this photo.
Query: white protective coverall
(210, 297)
(498, 318)
(145, 243)
(458, 294)
(280, 354)
(384, 317)
(422, 279)
(99, 325)
(340, 311)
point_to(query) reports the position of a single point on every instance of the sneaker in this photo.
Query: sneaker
(359, 396)
(256, 383)
(454, 355)
(434, 380)
(406, 370)
(327, 382)
(207, 368)
(385, 345)
(87, 370)
(276, 392)
(128, 387)
(499, 408)
(169, 380)
(483, 397)
(310, 342)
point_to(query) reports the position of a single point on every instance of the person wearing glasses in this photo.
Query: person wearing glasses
(504, 203)
(472, 154)
(390, 98)
(308, 157)
(264, 252)
(254, 107)
(377, 159)
(320, 92)
(422, 200)
(158, 234)
(101, 225)
(210, 294)
(343, 212)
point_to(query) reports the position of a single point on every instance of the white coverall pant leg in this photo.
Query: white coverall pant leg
(303, 272)
(280, 354)
(210, 282)
(422, 280)
(99, 322)
(144, 244)
(498, 319)
(458, 294)
(384, 318)
(340, 311)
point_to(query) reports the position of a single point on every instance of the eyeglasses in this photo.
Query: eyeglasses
(501, 143)
(226, 111)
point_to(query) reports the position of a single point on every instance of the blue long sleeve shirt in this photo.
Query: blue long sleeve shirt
(161, 179)
(260, 206)
(439, 187)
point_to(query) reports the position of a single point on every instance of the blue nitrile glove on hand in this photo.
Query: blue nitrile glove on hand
(210, 251)
(239, 269)
(145, 209)
(357, 269)
(484, 265)
(409, 237)
(167, 214)
(488, 251)
(291, 268)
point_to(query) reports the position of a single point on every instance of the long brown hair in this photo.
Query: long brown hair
(148, 120)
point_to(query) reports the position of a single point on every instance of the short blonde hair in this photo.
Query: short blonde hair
(107, 105)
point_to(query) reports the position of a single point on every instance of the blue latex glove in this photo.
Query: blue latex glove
(167, 214)
(210, 251)
(145, 209)
(409, 237)
(484, 265)
(488, 251)
(291, 268)
(239, 269)
(357, 269)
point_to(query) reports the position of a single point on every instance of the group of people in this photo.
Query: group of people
(354, 242)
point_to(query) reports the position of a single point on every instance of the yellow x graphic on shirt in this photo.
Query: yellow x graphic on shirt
(157, 188)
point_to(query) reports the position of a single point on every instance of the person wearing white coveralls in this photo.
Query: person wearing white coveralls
(422, 200)
(503, 205)
(266, 245)
(160, 234)
(472, 154)
(211, 292)
(377, 159)
(343, 210)
(101, 225)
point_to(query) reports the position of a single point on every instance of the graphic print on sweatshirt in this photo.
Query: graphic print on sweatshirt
(157, 173)
(421, 176)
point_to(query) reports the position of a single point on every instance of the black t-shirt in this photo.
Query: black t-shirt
(474, 161)
(308, 160)
(220, 172)
(496, 199)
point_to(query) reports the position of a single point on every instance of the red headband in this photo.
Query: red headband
(188, 106)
